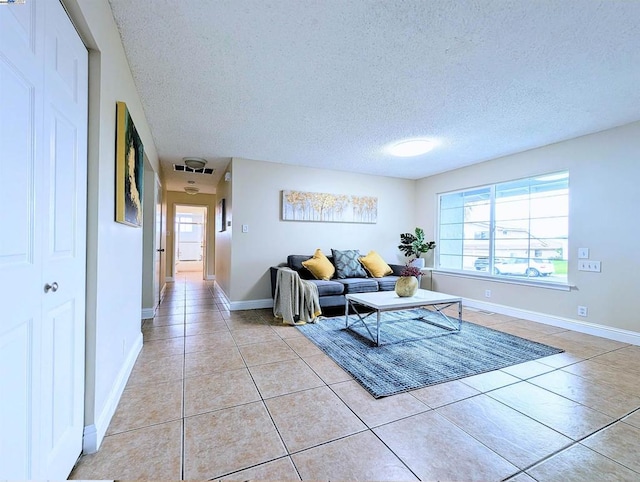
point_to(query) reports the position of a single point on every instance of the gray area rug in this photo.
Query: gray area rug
(407, 359)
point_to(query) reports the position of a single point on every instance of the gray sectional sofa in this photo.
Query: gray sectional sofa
(331, 292)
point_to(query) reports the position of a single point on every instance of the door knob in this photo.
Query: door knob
(51, 287)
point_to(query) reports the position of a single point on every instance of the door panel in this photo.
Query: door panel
(43, 117)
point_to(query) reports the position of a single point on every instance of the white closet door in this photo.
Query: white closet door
(43, 118)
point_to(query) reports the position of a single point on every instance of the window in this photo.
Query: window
(514, 229)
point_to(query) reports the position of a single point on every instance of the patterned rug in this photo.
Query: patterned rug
(415, 354)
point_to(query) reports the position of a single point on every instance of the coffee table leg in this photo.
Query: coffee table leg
(346, 313)
(378, 328)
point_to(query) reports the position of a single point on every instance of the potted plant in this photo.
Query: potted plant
(409, 281)
(415, 245)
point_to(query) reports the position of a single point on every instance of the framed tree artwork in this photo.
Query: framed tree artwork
(129, 169)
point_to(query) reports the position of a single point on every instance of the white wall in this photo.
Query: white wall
(256, 202)
(604, 198)
(114, 260)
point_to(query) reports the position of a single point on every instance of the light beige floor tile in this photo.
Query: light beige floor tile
(209, 341)
(537, 327)
(206, 327)
(515, 329)
(312, 417)
(572, 347)
(161, 348)
(175, 310)
(579, 464)
(225, 441)
(444, 393)
(213, 361)
(144, 405)
(156, 370)
(528, 369)
(284, 331)
(151, 453)
(358, 457)
(490, 381)
(627, 358)
(164, 321)
(215, 391)
(560, 360)
(303, 347)
(327, 369)
(633, 419)
(280, 378)
(280, 469)
(619, 442)
(516, 437)
(559, 413)
(591, 340)
(261, 334)
(195, 309)
(418, 441)
(626, 381)
(162, 332)
(603, 398)
(374, 412)
(268, 352)
(204, 317)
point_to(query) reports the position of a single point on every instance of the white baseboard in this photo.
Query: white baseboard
(169, 279)
(211, 277)
(94, 434)
(250, 305)
(148, 313)
(617, 334)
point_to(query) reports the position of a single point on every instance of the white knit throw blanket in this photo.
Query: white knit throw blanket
(295, 300)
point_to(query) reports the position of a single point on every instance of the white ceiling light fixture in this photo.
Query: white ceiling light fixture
(194, 162)
(191, 190)
(411, 147)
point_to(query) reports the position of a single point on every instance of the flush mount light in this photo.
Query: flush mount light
(191, 190)
(194, 162)
(411, 147)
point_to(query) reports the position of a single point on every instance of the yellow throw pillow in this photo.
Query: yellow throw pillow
(320, 266)
(375, 265)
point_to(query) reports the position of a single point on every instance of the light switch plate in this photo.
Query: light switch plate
(583, 253)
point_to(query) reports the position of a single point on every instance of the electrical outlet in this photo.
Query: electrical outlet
(582, 311)
(487, 293)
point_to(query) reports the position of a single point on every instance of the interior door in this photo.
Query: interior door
(43, 114)
(159, 276)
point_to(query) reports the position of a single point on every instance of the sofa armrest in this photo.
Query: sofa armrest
(274, 276)
(397, 269)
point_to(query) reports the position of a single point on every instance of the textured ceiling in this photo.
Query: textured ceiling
(330, 83)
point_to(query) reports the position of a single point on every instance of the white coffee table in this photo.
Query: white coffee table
(382, 301)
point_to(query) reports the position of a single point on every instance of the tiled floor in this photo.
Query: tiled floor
(234, 395)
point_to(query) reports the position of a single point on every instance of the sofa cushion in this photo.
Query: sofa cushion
(347, 264)
(328, 287)
(375, 265)
(388, 283)
(320, 266)
(294, 261)
(359, 285)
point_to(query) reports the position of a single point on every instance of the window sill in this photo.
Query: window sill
(503, 279)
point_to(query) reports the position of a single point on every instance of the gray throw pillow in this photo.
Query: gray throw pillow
(347, 264)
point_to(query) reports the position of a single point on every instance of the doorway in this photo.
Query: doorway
(190, 240)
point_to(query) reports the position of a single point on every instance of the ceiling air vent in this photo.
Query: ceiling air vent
(206, 170)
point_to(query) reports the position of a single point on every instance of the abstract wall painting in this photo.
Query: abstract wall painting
(329, 208)
(129, 169)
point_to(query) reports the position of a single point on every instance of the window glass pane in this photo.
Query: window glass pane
(527, 236)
